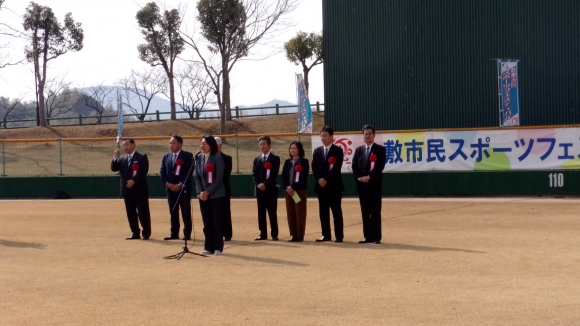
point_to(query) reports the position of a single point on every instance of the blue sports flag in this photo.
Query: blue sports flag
(304, 110)
(120, 118)
(509, 94)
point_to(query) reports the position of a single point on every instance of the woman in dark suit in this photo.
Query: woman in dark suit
(294, 177)
(208, 175)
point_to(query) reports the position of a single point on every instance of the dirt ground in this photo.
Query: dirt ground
(502, 261)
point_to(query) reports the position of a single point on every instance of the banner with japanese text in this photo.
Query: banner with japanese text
(492, 150)
(509, 93)
(304, 109)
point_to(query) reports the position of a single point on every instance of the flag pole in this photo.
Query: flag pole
(297, 105)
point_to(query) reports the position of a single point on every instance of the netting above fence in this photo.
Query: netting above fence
(78, 157)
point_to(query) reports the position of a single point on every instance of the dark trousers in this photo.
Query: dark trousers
(137, 207)
(267, 202)
(185, 205)
(227, 218)
(212, 216)
(327, 201)
(296, 213)
(370, 206)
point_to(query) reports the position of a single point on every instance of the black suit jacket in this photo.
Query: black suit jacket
(302, 179)
(126, 172)
(360, 168)
(227, 172)
(320, 168)
(259, 172)
(168, 170)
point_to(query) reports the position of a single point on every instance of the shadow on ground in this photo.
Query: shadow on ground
(16, 244)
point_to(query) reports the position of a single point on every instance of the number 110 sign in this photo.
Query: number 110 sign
(556, 180)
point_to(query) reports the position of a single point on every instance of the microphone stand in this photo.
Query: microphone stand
(183, 190)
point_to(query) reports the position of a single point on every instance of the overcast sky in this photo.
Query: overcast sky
(110, 51)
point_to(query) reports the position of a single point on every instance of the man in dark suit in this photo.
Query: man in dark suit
(326, 165)
(264, 173)
(367, 166)
(133, 169)
(175, 169)
(227, 221)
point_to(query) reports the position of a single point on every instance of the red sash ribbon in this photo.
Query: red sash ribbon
(331, 162)
(178, 164)
(297, 170)
(267, 166)
(135, 168)
(373, 159)
(209, 176)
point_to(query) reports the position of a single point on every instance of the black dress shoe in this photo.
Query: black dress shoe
(300, 239)
(186, 238)
(275, 239)
(171, 237)
(323, 239)
(260, 238)
(378, 242)
(228, 239)
(338, 240)
(145, 238)
(294, 239)
(366, 241)
(133, 237)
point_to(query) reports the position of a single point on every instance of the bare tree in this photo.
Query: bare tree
(8, 107)
(98, 98)
(140, 87)
(7, 35)
(231, 29)
(3, 44)
(49, 39)
(58, 97)
(194, 89)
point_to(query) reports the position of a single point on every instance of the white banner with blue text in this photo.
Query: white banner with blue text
(485, 150)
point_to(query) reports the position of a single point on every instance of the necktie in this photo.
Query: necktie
(173, 159)
(325, 152)
(367, 154)
(129, 160)
(264, 159)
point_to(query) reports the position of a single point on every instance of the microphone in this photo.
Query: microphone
(195, 156)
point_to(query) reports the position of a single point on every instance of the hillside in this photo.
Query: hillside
(259, 125)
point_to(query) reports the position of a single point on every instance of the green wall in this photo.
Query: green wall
(395, 184)
(419, 64)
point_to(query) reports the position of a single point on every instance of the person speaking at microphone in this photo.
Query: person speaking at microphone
(209, 174)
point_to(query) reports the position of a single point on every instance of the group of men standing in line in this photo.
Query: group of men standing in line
(177, 169)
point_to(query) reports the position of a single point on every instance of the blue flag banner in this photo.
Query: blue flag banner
(304, 110)
(120, 118)
(509, 94)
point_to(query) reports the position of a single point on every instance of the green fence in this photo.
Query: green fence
(92, 156)
(81, 168)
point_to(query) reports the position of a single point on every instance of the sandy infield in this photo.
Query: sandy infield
(501, 261)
